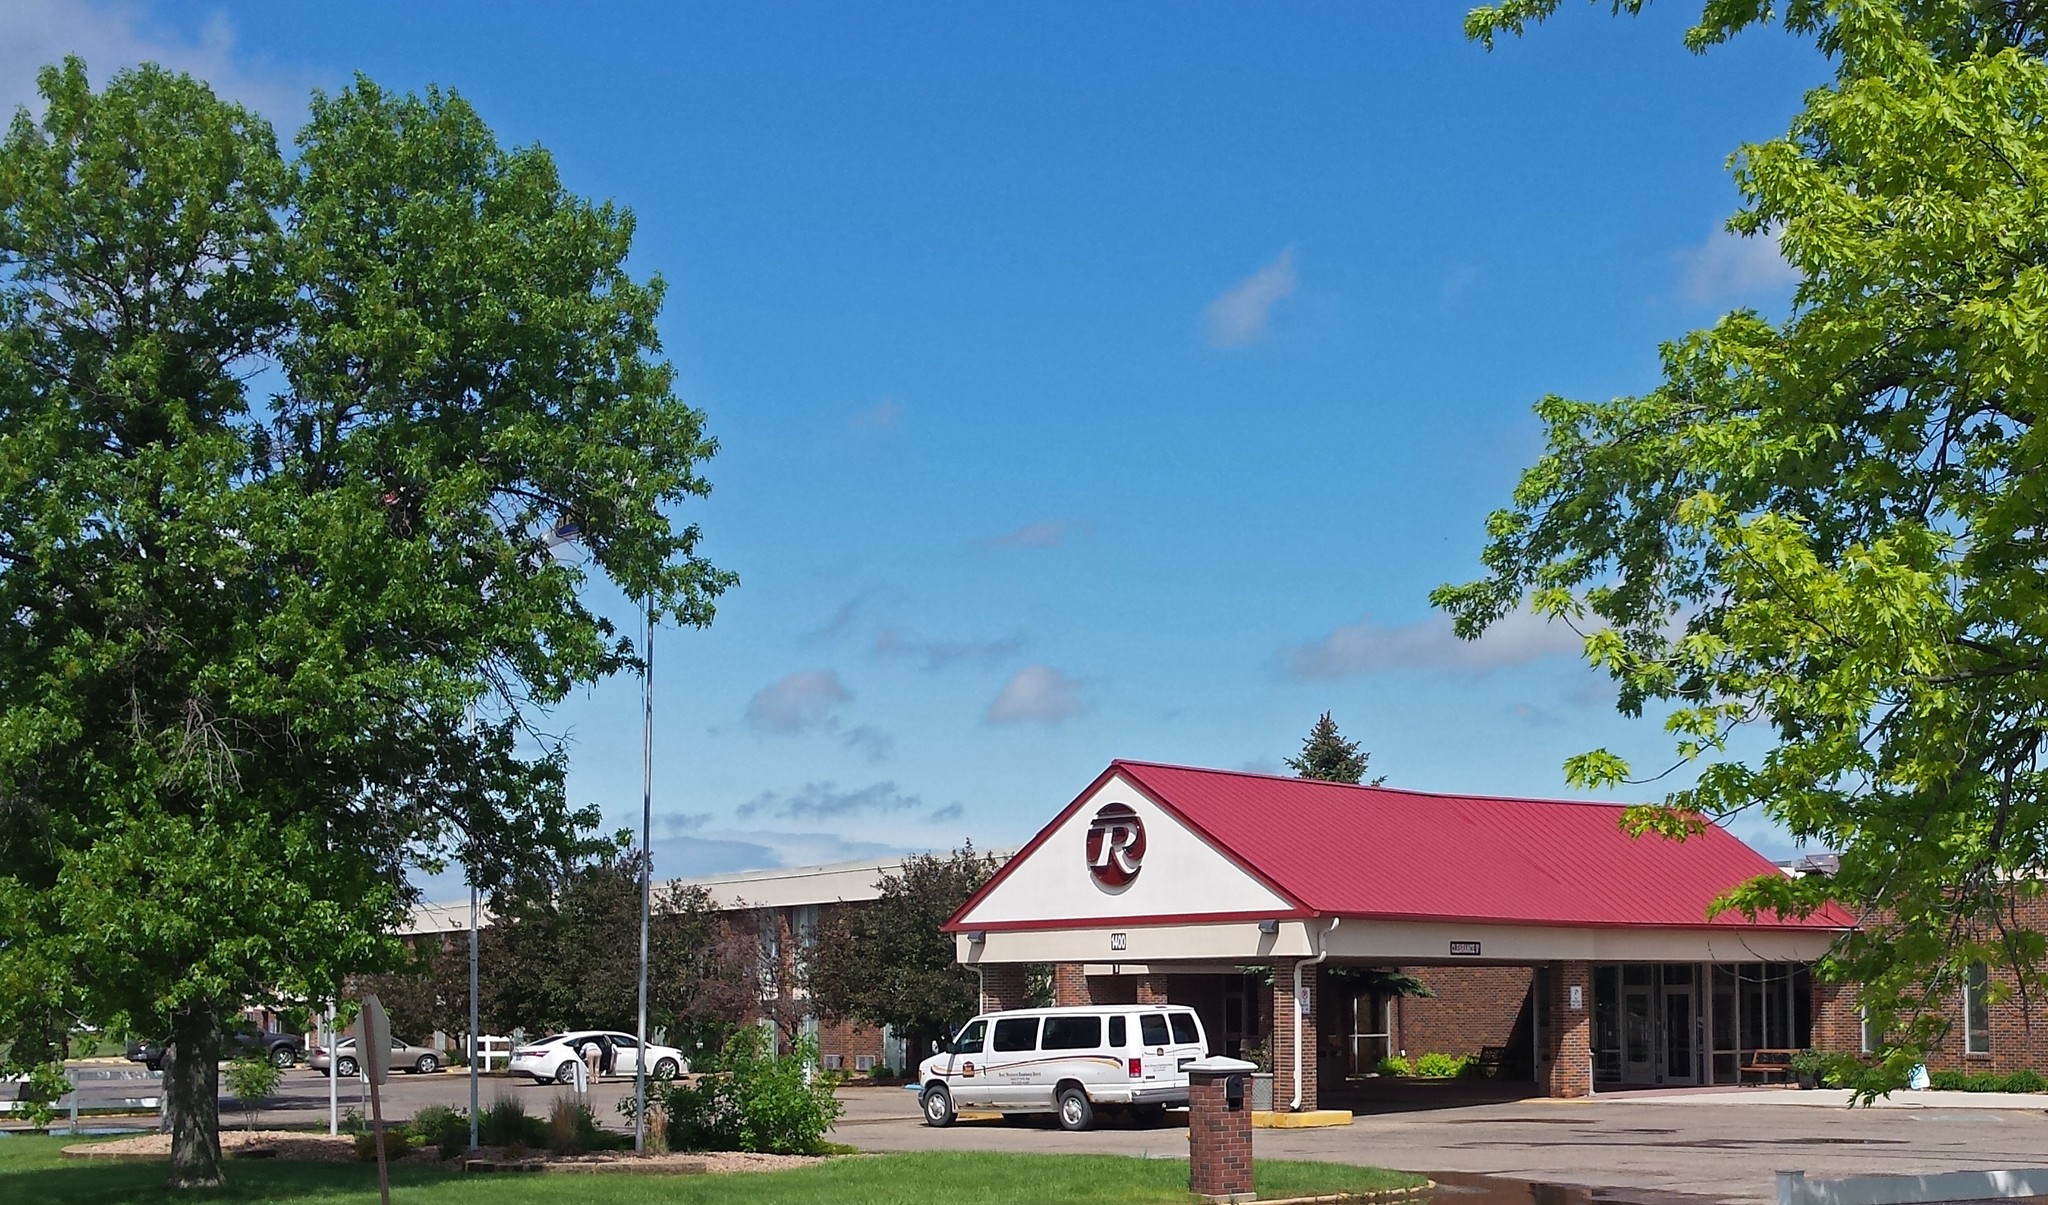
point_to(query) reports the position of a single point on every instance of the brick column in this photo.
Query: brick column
(1568, 1063)
(1069, 984)
(1219, 1136)
(1152, 989)
(1837, 1020)
(1286, 1016)
(1002, 986)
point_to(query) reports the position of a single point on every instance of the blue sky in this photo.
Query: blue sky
(1092, 381)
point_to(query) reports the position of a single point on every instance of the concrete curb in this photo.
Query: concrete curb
(1384, 1194)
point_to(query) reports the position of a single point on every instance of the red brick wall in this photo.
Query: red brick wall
(1474, 1007)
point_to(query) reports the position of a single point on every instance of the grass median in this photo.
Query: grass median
(32, 1169)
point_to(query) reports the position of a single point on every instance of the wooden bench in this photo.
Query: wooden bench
(1767, 1062)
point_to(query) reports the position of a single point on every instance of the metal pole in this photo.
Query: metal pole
(473, 1121)
(333, 1079)
(646, 865)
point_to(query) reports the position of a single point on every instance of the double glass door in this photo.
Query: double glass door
(1657, 1006)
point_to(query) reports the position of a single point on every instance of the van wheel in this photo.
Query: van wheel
(1075, 1111)
(937, 1103)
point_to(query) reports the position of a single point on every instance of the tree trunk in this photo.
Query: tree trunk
(192, 1097)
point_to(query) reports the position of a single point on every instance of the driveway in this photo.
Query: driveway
(1683, 1148)
(1702, 1147)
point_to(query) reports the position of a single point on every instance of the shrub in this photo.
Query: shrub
(1440, 1066)
(754, 1102)
(1948, 1081)
(505, 1123)
(2028, 1080)
(251, 1078)
(443, 1128)
(1984, 1081)
(397, 1144)
(572, 1129)
(1394, 1064)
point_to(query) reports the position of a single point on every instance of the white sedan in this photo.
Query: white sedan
(554, 1059)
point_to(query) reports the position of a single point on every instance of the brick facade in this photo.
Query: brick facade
(1475, 1007)
(1219, 1141)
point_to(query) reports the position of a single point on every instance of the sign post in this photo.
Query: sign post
(373, 1051)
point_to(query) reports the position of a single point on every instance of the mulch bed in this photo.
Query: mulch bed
(319, 1148)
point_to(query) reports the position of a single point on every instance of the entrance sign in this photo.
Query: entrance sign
(1465, 949)
(1116, 845)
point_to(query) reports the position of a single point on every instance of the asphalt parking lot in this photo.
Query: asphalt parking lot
(1668, 1149)
(1676, 1150)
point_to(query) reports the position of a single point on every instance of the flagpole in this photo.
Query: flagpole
(646, 863)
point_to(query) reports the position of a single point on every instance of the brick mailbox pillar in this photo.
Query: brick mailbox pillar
(1220, 1129)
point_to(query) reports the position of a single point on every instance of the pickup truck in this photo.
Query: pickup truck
(283, 1049)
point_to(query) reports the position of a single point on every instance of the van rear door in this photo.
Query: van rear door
(1189, 1043)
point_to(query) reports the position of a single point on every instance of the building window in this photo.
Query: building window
(1977, 1010)
(835, 1062)
(863, 1062)
(1873, 1037)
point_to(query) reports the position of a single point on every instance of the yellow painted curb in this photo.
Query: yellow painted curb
(1307, 1120)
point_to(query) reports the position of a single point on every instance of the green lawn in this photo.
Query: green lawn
(32, 1170)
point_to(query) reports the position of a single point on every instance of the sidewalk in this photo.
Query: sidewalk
(1836, 1098)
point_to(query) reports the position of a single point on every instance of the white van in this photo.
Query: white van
(1065, 1061)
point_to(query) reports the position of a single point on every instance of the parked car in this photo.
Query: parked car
(418, 1060)
(1065, 1061)
(554, 1059)
(282, 1049)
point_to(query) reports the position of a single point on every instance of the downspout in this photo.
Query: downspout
(1322, 952)
(980, 990)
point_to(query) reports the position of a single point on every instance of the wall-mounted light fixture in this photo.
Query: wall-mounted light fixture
(1269, 927)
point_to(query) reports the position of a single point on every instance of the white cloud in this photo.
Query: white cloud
(1037, 692)
(1367, 647)
(935, 655)
(1046, 533)
(798, 703)
(1241, 315)
(824, 800)
(110, 36)
(1730, 268)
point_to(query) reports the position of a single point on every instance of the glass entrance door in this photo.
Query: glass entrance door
(1371, 1027)
(1638, 1049)
(1680, 1062)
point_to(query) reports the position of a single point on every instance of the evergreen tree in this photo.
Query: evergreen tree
(1328, 757)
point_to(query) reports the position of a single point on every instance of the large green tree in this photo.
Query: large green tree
(1830, 527)
(282, 444)
(566, 955)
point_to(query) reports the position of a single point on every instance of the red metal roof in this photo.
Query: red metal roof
(1378, 852)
